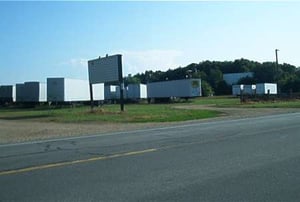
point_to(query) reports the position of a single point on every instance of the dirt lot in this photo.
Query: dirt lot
(12, 131)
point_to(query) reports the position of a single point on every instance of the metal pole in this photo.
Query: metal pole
(121, 83)
(92, 97)
(122, 96)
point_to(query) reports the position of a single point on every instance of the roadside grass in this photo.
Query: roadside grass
(217, 101)
(223, 102)
(274, 104)
(134, 113)
(138, 113)
(14, 113)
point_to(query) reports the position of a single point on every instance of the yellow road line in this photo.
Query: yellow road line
(54, 165)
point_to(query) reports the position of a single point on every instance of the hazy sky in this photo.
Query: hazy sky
(55, 39)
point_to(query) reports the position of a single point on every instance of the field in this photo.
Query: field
(233, 102)
(134, 113)
(44, 122)
(199, 108)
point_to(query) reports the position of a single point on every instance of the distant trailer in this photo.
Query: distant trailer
(112, 92)
(185, 88)
(7, 93)
(20, 92)
(34, 91)
(136, 91)
(266, 89)
(249, 89)
(72, 90)
(237, 89)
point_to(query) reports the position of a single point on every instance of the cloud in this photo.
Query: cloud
(75, 62)
(140, 61)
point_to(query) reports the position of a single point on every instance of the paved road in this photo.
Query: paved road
(255, 159)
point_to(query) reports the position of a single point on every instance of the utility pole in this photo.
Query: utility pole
(276, 54)
(121, 83)
(277, 68)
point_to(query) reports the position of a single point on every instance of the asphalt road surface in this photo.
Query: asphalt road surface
(254, 159)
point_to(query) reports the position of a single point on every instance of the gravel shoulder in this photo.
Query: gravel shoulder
(13, 131)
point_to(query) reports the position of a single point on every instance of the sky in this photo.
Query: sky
(56, 39)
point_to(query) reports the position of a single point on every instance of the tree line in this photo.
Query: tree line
(211, 73)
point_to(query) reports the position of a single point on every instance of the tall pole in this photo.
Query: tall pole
(276, 50)
(91, 97)
(121, 84)
(277, 68)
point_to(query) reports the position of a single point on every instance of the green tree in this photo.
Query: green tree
(223, 88)
(247, 80)
(285, 75)
(207, 90)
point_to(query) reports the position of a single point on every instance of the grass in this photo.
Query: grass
(275, 104)
(134, 113)
(222, 101)
(218, 101)
(138, 113)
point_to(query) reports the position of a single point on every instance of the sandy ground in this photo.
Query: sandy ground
(12, 131)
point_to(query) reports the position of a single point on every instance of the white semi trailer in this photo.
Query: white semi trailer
(249, 89)
(266, 88)
(186, 88)
(7, 93)
(20, 92)
(237, 89)
(112, 92)
(136, 91)
(72, 90)
(31, 91)
(34, 91)
(257, 89)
